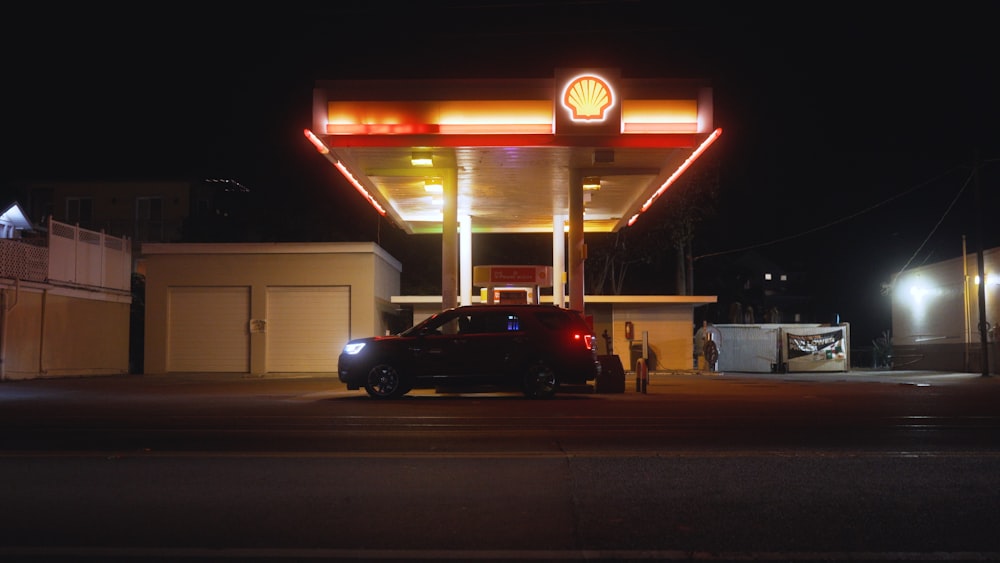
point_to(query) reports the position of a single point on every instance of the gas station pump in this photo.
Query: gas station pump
(637, 356)
(511, 284)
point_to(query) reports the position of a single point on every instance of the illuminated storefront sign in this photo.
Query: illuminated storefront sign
(588, 102)
(512, 275)
(588, 98)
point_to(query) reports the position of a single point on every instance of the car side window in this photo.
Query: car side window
(441, 324)
(482, 322)
(503, 321)
(554, 321)
(465, 324)
(478, 323)
(451, 326)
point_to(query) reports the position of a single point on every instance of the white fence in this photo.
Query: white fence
(73, 256)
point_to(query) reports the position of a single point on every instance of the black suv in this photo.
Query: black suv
(534, 348)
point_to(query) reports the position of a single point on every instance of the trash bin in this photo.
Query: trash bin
(612, 376)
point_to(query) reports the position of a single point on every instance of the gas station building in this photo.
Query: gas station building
(585, 151)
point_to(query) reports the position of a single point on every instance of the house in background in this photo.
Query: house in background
(14, 223)
(65, 294)
(142, 211)
(71, 286)
(759, 290)
(936, 315)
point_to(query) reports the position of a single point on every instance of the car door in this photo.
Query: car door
(467, 347)
(486, 345)
(435, 351)
(463, 350)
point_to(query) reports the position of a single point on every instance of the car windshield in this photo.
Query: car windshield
(445, 322)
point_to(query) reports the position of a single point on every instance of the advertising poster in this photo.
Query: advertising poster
(816, 349)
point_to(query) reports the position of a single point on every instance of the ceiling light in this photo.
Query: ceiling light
(591, 183)
(421, 159)
(433, 185)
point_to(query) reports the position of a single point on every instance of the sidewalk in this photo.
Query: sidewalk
(855, 374)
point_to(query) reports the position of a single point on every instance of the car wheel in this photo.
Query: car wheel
(539, 381)
(384, 382)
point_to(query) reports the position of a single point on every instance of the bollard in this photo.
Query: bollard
(641, 376)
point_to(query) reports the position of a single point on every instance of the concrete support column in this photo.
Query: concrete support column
(465, 257)
(558, 260)
(577, 249)
(449, 243)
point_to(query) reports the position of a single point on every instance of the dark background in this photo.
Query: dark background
(850, 133)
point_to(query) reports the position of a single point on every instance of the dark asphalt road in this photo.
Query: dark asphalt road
(721, 467)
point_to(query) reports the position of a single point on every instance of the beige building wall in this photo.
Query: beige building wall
(669, 328)
(371, 274)
(60, 332)
(93, 336)
(22, 332)
(936, 314)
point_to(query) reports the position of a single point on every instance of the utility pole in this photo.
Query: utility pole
(982, 271)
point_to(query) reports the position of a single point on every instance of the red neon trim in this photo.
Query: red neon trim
(680, 169)
(357, 185)
(316, 142)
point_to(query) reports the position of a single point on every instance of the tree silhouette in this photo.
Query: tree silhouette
(666, 232)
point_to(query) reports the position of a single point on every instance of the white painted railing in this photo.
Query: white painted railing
(74, 256)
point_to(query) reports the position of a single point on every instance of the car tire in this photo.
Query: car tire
(539, 381)
(385, 382)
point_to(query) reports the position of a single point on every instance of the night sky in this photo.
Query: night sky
(847, 152)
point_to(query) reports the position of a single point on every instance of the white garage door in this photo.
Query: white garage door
(306, 328)
(208, 329)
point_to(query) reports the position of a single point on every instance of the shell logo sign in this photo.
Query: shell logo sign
(588, 98)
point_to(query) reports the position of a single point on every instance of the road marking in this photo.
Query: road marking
(178, 554)
(553, 454)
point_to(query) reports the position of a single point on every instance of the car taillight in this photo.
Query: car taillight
(588, 340)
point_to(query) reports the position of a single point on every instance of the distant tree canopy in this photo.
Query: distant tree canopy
(666, 231)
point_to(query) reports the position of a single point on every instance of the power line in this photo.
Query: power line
(839, 221)
(945, 214)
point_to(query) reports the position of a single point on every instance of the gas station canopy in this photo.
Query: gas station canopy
(511, 155)
(586, 151)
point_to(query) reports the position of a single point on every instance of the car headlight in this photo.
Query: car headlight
(353, 348)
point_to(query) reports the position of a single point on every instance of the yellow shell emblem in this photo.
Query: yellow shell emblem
(588, 97)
